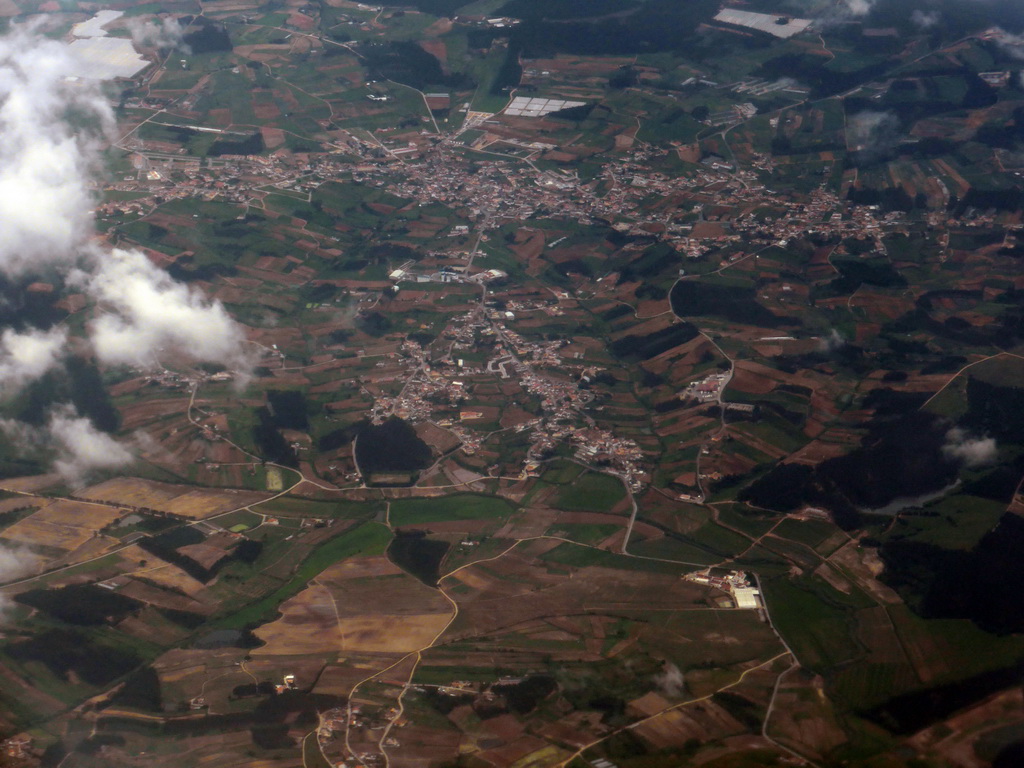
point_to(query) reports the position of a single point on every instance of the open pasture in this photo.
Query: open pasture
(191, 503)
(62, 525)
(519, 587)
(378, 611)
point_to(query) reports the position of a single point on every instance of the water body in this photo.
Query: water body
(900, 503)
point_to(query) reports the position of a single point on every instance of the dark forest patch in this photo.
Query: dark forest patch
(412, 551)
(66, 651)
(392, 446)
(80, 604)
(270, 442)
(696, 299)
(634, 348)
(407, 63)
(900, 456)
(208, 37)
(288, 408)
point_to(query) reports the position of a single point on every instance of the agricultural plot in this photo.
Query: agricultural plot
(686, 294)
(180, 501)
(387, 614)
(590, 493)
(61, 526)
(420, 513)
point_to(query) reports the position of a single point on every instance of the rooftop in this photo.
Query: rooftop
(773, 24)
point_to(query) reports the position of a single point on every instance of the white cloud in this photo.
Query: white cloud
(45, 159)
(670, 680)
(14, 563)
(971, 451)
(29, 439)
(1011, 44)
(925, 19)
(832, 342)
(147, 446)
(51, 129)
(81, 448)
(873, 133)
(76, 447)
(859, 7)
(164, 33)
(147, 313)
(26, 356)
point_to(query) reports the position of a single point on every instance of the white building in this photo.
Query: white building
(746, 597)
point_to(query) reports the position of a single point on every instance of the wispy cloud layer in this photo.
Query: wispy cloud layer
(972, 451)
(164, 34)
(149, 312)
(50, 129)
(50, 150)
(81, 448)
(14, 563)
(53, 129)
(28, 355)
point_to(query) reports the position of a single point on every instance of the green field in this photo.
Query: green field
(291, 506)
(586, 557)
(365, 539)
(457, 507)
(814, 622)
(583, 533)
(591, 492)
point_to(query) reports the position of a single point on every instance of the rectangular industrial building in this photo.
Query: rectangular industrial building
(105, 58)
(773, 24)
(525, 106)
(746, 597)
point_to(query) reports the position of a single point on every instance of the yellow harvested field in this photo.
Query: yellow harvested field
(366, 634)
(133, 492)
(171, 577)
(160, 572)
(31, 483)
(674, 727)
(68, 512)
(391, 634)
(18, 502)
(346, 619)
(472, 579)
(544, 757)
(163, 598)
(62, 524)
(360, 567)
(192, 503)
(182, 673)
(648, 705)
